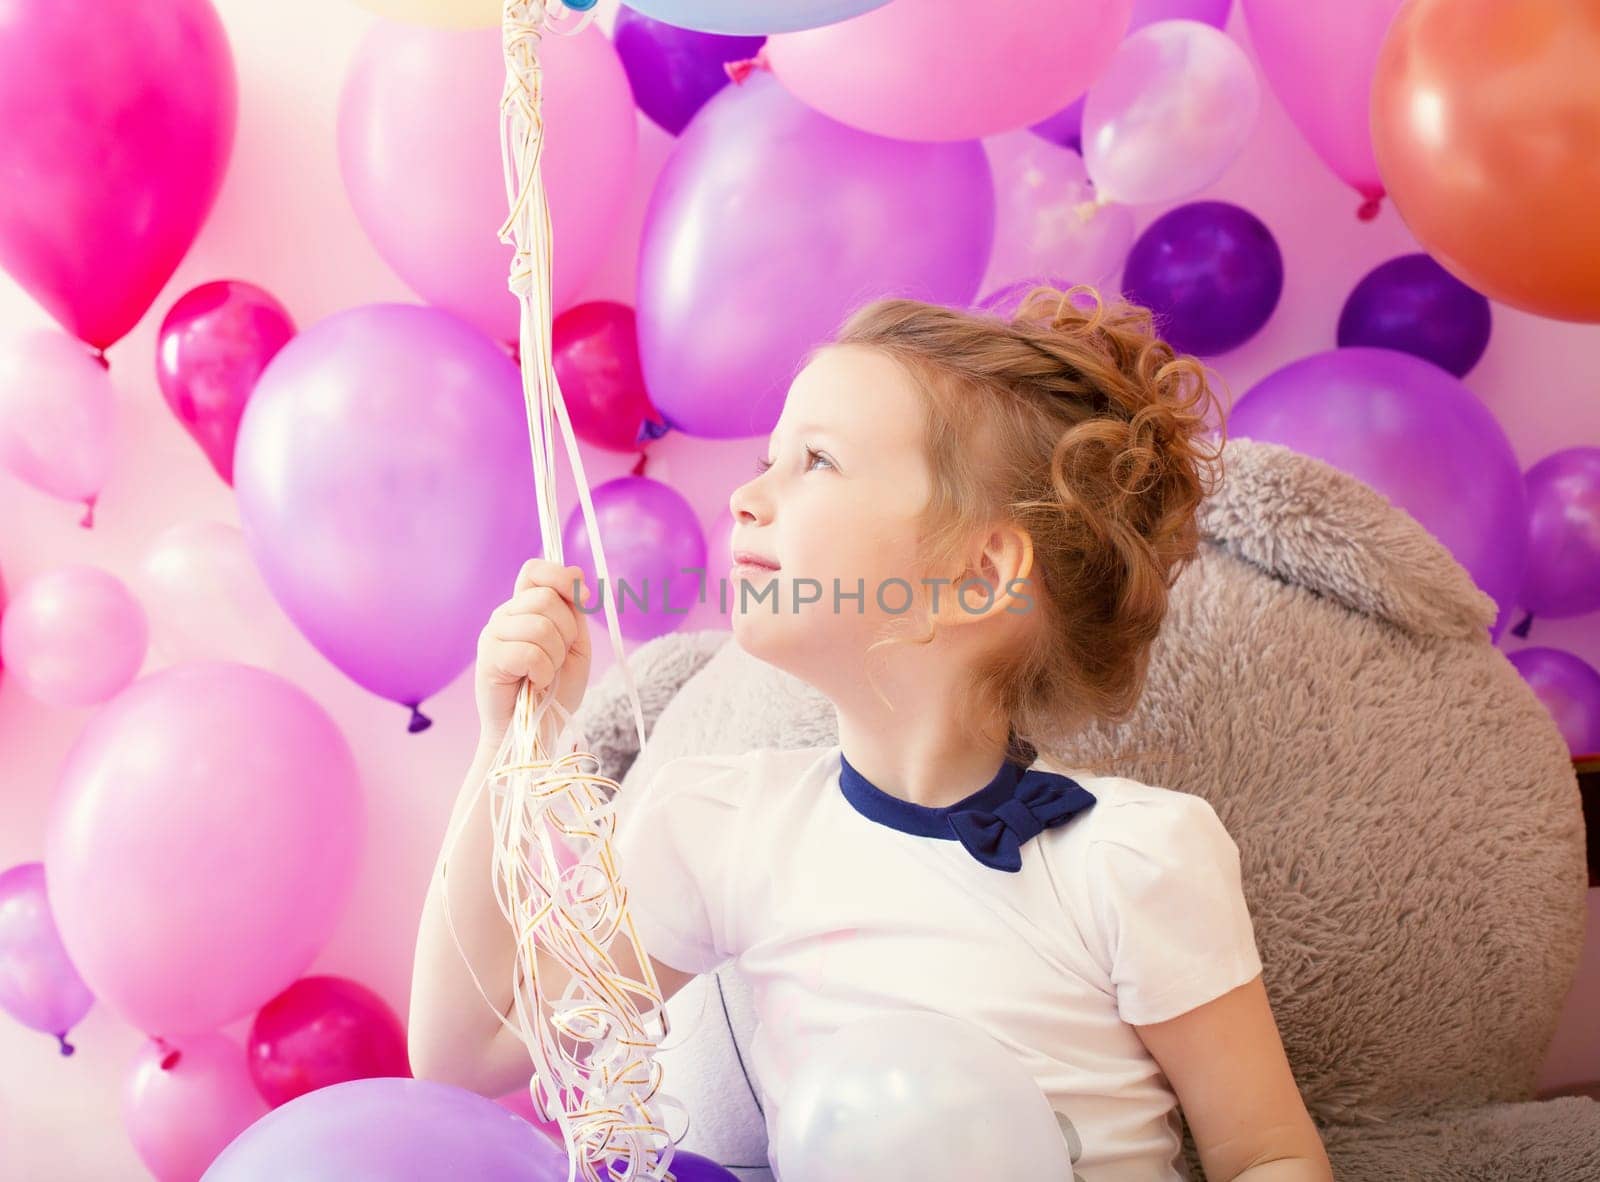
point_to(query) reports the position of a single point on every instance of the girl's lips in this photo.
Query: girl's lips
(753, 562)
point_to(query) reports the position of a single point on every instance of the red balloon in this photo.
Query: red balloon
(595, 353)
(320, 1031)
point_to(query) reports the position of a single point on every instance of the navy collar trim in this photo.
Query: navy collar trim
(922, 820)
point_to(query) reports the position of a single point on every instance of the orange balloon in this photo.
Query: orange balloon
(1486, 124)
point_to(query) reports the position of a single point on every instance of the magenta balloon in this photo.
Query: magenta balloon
(384, 483)
(39, 986)
(213, 345)
(183, 1102)
(202, 843)
(419, 150)
(1418, 436)
(320, 1031)
(1563, 576)
(653, 546)
(1320, 57)
(1569, 687)
(595, 354)
(811, 218)
(116, 125)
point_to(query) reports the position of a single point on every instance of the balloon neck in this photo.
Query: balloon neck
(100, 356)
(638, 466)
(419, 720)
(66, 1047)
(87, 521)
(173, 1054)
(652, 429)
(1521, 630)
(1370, 207)
(739, 71)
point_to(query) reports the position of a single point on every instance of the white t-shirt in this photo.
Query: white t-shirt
(1131, 911)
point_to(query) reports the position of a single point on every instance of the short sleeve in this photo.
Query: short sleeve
(675, 846)
(1168, 902)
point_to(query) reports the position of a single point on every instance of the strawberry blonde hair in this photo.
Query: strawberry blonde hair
(1085, 428)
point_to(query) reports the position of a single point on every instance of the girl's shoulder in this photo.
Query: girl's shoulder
(1138, 815)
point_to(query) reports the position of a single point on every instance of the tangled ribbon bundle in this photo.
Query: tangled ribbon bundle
(553, 812)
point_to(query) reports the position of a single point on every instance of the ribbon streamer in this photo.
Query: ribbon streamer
(552, 811)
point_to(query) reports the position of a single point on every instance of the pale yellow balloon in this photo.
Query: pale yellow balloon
(448, 14)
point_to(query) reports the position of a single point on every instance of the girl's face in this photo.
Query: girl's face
(837, 513)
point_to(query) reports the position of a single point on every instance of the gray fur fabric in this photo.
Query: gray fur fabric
(1406, 812)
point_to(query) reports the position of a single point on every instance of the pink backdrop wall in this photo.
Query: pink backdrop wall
(283, 221)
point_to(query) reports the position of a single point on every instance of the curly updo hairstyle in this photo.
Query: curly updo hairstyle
(1086, 428)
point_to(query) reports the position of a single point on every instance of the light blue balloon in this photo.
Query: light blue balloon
(752, 16)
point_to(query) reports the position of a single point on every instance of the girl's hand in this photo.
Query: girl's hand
(537, 635)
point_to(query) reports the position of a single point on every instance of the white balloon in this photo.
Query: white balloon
(918, 1097)
(206, 599)
(1170, 114)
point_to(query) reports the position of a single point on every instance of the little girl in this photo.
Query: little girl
(963, 533)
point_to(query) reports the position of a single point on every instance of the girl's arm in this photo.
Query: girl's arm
(1225, 1060)
(452, 1035)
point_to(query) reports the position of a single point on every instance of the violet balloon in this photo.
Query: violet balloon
(323, 1030)
(39, 986)
(1065, 127)
(203, 840)
(183, 1101)
(383, 1130)
(595, 353)
(1418, 436)
(1212, 273)
(812, 218)
(1412, 304)
(1569, 688)
(419, 151)
(1563, 575)
(671, 70)
(214, 343)
(380, 474)
(116, 125)
(653, 545)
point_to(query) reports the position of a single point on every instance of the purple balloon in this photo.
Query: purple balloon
(1418, 436)
(691, 1167)
(673, 70)
(768, 225)
(1210, 271)
(653, 544)
(1065, 127)
(213, 345)
(39, 986)
(386, 1129)
(381, 473)
(1563, 575)
(1569, 687)
(1414, 305)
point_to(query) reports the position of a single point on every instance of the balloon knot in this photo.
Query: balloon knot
(419, 720)
(1370, 207)
(1521, 630)
(100, 356)
(652, 429)
(638, 467)
(88, 514)
(739, 71)
(66, 1047)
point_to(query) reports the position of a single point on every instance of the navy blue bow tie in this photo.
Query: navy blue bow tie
(992, 823)
(1042, 800)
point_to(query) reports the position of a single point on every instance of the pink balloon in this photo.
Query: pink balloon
(74, 636)
(1170, 114)
(1320, 57)
(184, 1100)
(214, 343)
(595, 353)
(57, 416)
(320, 1031)
(39, 986)
(419, 149)
(1046, 216)
(385, 487)
(944, 70)
(116, 125)
(202, 843)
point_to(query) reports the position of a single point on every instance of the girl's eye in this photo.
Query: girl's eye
(762, 464)
(813, 454)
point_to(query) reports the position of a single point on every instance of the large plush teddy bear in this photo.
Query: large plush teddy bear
(1407, 816)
